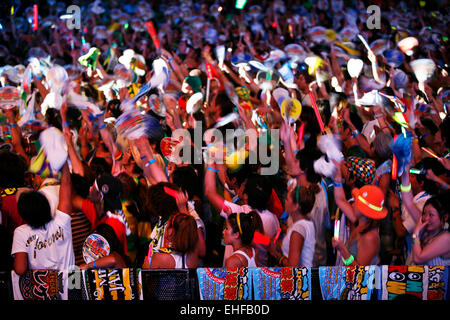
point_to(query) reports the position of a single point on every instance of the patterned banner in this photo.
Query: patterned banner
(39, 285)
(347, 283)
(282, 283)
(225, 283)
(107, 284)
(424, 282)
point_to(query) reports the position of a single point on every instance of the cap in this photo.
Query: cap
(363, 169)
(111, 188)
(370, 201)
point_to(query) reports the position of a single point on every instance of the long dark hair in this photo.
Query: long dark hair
(440, 203)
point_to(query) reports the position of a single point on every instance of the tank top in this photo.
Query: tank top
(250, 261)
(437, 261)
(180, 259)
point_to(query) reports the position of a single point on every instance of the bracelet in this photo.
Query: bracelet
(93, 265)
(12, 125)
(211, 169)
(149, 162)
(296, 151)
(337, 184)
(405, 188)
(355, 134)
(415, 238)
(66, 124)
(349, 260)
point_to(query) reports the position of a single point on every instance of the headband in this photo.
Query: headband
(238, 219)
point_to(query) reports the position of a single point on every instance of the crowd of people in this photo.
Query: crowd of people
(88, 175)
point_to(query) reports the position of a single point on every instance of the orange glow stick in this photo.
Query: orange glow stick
(430, 152)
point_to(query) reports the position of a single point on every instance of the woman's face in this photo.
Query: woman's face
(289, 205)
(228, 233)
(431, 215)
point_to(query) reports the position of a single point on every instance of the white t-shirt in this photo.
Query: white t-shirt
(49, 247)
(306, 229)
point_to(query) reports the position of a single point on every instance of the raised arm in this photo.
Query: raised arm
(339, 195)
(152, 170)
(407, 195)
(65, 191)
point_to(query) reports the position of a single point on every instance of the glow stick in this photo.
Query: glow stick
(277, 235)
(316, 111)
(337, 224)
(261, 239)
(35, 16)
(415, 171)
(300, 133)
(208, 81)
(240, 4)
(364, 42)
(151, 30)
(170, 192)
(394, 167)
(430, 152)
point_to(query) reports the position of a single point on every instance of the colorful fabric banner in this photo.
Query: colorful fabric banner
(225, 283)
(39, 285)
(107, 284)
(347, 283)
(424, 282)
(281, 283)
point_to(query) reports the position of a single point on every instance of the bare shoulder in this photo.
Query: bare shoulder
(162, 260)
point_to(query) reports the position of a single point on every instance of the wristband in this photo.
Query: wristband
(405, 188)
(149, 162)
(66, 124)
(12, 125)
(337, 184)
(296, 151)
(211, 169)
(93, 265)
(284, 217)
(355, 134)
(103, 126)
(349, 260)
(445, 187)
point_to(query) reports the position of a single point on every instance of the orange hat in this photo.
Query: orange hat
(370, 201)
